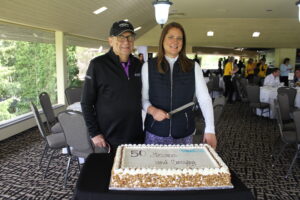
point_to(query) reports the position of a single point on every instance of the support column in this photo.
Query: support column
(61, 67)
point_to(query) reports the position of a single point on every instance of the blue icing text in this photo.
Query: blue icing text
(191, 150)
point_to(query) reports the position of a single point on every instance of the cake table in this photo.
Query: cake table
(93, 183)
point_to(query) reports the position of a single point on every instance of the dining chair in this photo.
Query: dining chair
(78, 139)
(209, 85)
(296, 116)
(253, 92)
(52, 123)
(218, 111)
(291, 93)
(244, 83)
(284, 106)
(286, 130)
(256, 80)
(241, 87)
(221, 100)
(218, 108)
(54, 142)
(216, 85)
(73, 94)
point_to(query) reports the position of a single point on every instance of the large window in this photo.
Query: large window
(27, 68)
(208, 61)
(79, 53)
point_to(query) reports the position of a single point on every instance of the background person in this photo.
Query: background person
(285, 69)
(249, 70)
(229, 70)
(169, 81)
(196, 59)
(111, 100)
(297, 77)
(141, 58)
(273, 78)
(262, 66)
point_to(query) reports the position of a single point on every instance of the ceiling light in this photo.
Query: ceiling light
(210, 33)
(137, 28)
(161, 11)
(298, 4)
(100, 10)
(255, 34)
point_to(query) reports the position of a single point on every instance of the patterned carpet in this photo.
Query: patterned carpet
(245, 142)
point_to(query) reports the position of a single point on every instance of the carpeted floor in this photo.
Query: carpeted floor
(245, 142)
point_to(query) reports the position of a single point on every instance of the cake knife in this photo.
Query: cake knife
(172, 112)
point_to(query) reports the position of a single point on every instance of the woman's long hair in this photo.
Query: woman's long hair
(162, 64)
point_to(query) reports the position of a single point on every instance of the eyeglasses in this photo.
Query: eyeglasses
(122, 38)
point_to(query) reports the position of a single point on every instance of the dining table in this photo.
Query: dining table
(94, 179)
(75, 106)
(268, 94)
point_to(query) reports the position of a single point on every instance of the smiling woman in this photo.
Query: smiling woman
(171, 81)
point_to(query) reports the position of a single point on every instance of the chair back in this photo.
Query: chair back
(240, 89)
(218, 110)
(244, 82)
(38, 120)
(253, 92)
(210, 86)
(73, 94)
(291, 93)
(215, 82)
(219, 101)
(256, 80)
(278, 116)
(284, 106)
(76, 132)
(296, 116)
(47, 108)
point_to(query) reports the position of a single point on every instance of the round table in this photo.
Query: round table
(268, 94)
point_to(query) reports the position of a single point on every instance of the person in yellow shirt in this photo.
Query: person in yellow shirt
(229, 70)
(262, 68)
(249, 71)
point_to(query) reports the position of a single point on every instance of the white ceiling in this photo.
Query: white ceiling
(233, 21)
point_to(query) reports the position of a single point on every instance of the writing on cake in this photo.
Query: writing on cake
(186, 163)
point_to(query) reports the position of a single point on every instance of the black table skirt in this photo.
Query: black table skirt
(94, 180)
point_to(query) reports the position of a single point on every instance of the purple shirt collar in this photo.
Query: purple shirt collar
(126, 67)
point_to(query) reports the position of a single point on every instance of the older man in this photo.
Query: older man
(273, 78)
(111, 100)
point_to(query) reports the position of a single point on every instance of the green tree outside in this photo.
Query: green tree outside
(26, 70)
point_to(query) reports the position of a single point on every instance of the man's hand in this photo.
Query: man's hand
(210, 139)
(157, 114)
(99, 141)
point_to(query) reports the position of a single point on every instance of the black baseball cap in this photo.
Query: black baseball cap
(120, 27)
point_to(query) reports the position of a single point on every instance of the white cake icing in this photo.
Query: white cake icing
(168, 166)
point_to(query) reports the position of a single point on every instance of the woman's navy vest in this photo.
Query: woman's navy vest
(167, 94)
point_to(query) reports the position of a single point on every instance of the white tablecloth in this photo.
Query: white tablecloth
(268, 94)
(75, 106)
